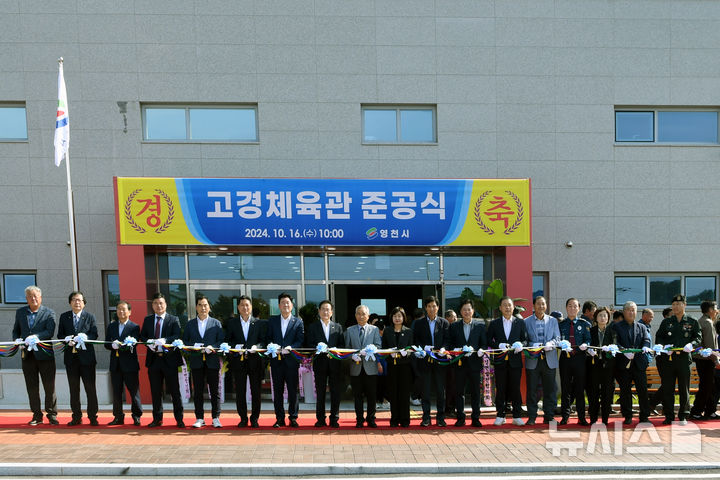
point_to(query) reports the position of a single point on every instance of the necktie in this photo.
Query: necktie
(362, 336)
(75, 322)
(158, 320)
(572, 334)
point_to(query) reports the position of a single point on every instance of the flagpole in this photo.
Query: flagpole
(71, 215)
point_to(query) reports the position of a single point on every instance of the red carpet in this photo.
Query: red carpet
(307, 422)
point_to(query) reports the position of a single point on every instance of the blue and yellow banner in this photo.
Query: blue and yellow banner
(298, 211)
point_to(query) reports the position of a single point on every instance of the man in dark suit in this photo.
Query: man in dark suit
(575, 330)
(35, 319)
(287, 331)
(206, 333)
(79, 362)
(431, 330)
(325, 368)
(124, 365)
(248, 332)
(632, 335)
(502, 333)
(161, 328)
(471, 332)
(363, 370)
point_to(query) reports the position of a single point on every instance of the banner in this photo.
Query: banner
(351, 212)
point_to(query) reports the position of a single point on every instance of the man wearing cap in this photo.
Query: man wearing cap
(683, 332)
(572, 363)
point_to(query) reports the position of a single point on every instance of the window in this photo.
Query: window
(399, 125)
(540, 285)
(660, 288)
(13, 124)
(111, 295)
(200, 123)
(667, 126)
(13, 287)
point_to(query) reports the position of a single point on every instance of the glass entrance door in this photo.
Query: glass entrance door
(223, 299)
(265, 298)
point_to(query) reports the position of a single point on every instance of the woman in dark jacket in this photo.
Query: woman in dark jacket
(600, 367)
(398, 367)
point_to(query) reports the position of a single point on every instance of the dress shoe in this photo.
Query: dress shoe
(117, 421)
(583, 422)
(279, 423)
(74, 421)
(53, 420)
(425, 422)
(696, 417)
(180, 424)
(334, 424)
(393, 423)
(35, 421)
(404, 424)
(136, 421)
(359, 424)
(293, 423)
(440, 422)
(94, 422)
(476, 423)
(254, 424)
(371, 424)
(712, 416)
(531, 422)
(564, 421)
(627, 421)
(155, 423)
(243, 423)
(667, 421)
(547, 420)
(321, 423)
(645, 420)
(654, 413)
(460, 422)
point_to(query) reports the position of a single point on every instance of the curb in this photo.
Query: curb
(307, 469)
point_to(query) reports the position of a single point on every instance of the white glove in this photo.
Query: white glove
(159, 342)
(152, 347)
(253, 349)
(629, 356)
(648, 350)
(68, 339)
(356, 358)
(286, 350)
(583, 347)
(238, 347)
(605, 348)
(209, 349)
(403, 353)
(503, 346)
(442, 351)
(518, 350)
(688, 348)
(480, 352)
(549, 345)
(592, 352)
(116, 344)
(19, 341)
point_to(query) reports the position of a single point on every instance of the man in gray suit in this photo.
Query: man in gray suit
(36, 319)
(542, 331)
(363, 371)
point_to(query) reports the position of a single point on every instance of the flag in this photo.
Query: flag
(62, 127)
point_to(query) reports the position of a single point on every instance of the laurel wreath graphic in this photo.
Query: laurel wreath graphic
(128, 212)
(520, 214)
(171, 211)
(478, 214)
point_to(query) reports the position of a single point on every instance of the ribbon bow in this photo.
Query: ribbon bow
(129, 342)
(80, 339)
(706, 352)
(659, 349)
(419, 352)
(468, 350)
(178, 344)
(369, 352)
(272, 349)
(321, 348)
(224, 348)
(32, 342)
(613, 349)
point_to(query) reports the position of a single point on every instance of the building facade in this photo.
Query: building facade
(609, 108)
